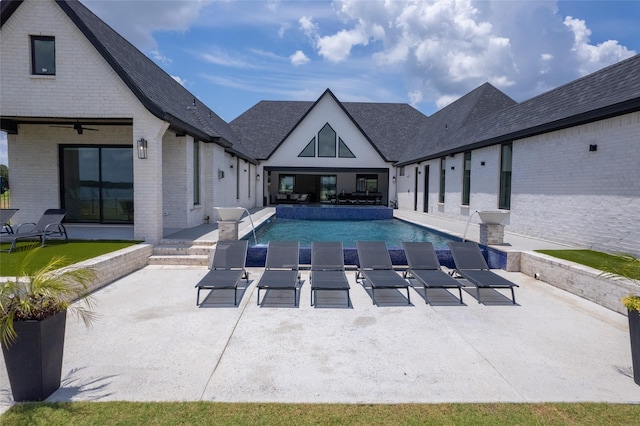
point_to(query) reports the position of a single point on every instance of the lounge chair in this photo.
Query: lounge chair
(5, 217)
(227, 268)
(471, 265)
(327, 269)
(281, 268)
(425, 268)
(49, 225)
(376, 268)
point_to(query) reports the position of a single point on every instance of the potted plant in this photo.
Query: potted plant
(628, 267)
(33, 310)
(632, 303)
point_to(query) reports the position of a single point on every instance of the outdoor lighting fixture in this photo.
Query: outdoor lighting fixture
(593, 148)
(258, 177)
(142, 148)
(393, 179)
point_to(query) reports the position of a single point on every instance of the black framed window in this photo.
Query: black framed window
(343, 150)
(287, 184)
(443, 174)
(466, 179)
(196, 173)
(504, 200)
(367, 183)
(310, 149)
(327, 142)
(43, 55)
(97, 183)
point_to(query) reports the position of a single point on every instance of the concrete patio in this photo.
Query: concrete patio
(151, 343)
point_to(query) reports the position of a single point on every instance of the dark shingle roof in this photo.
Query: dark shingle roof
(387, 126)
(611, 91)
(439, 130)
(157, 91)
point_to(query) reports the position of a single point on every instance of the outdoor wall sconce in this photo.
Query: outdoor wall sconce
(231, 166)
(258, 178)
(453, 167)
(393, 179)
(142, 148)
(593, 148)
(220, 174)
(482, 163)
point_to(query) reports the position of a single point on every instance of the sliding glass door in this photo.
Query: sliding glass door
(97, 183)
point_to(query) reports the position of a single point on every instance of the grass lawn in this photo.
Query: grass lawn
(191, 413)
(73, 252)
(598, 260)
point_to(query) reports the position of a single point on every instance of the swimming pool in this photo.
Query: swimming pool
(392, 231)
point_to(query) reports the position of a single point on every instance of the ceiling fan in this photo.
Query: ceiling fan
(77, 127)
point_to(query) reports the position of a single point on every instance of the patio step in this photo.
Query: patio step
(181, 253)
(184, 260)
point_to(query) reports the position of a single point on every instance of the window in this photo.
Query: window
(327, 188)
(310, 149)
(367, 183)
(326, 142)
(287, 183)
(196, 173)
(43, 55)
(443, 171)
(343, 150)
(249, 181)
(504, 201)
(466, 179)
(401, 171)
(97, 183)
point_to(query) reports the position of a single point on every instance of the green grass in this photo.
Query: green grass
(72, 251)
(598, 260)
(189, 413)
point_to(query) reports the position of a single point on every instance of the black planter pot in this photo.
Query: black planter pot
(34, 360)
(634, 333)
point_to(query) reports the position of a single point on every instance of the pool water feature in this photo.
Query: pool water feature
(392, 231)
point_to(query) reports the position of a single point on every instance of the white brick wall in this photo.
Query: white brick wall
(560, 190)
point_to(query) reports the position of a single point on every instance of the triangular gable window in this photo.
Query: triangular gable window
(343, 150)
(310, 149)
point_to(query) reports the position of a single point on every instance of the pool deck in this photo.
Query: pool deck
(151, 343)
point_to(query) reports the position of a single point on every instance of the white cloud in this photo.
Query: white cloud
(159, 57)
(448, 47)
(218, 56)
(138, 20)
(299, 58)
(308, 27)
(182, 81)
(592, 58)
(337, 47)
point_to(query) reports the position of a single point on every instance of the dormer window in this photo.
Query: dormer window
(43, 55)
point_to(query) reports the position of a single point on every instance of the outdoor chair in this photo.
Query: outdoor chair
(471, 265)
(50, 225)
(281, 268)
(375, 267)
(227, 268)
(425, 268)
(5, 217)
(327, 269)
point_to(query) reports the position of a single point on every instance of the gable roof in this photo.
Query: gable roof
(436, 133)
(155, 89)
(612, 91)
(388, 127)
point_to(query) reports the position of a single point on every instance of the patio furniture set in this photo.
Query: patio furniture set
(282, 271)
(48, 226)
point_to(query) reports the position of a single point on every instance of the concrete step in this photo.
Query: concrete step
(182, 250)
(188, 260)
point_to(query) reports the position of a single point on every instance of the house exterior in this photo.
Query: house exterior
(96, 127)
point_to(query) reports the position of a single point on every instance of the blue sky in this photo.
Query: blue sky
(233, 53)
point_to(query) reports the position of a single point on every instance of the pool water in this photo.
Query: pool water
(392, 231)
